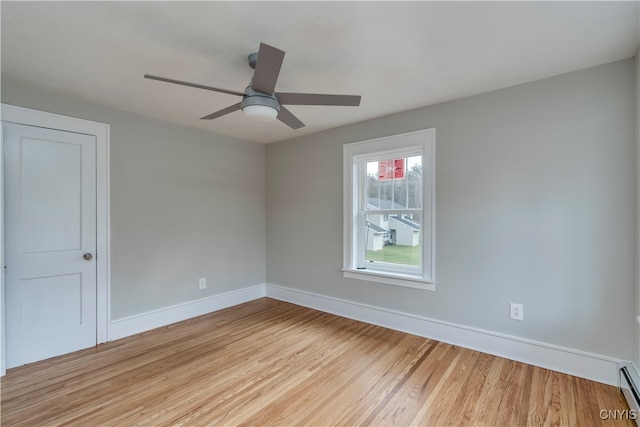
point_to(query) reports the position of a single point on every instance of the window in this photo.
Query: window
(389, 210)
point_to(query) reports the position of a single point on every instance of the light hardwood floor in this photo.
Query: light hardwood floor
(268, 362)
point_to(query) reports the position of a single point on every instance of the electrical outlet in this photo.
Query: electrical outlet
(516, 311)
(202, 283)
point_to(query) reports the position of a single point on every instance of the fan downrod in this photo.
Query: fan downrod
(253, 59)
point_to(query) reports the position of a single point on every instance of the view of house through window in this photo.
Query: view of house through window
(392, 211)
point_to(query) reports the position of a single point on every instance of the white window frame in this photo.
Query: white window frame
(355, 156)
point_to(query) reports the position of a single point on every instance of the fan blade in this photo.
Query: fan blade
(267, 69)
(222, 112)
(287, 117)
(318, 99)
(178, 82)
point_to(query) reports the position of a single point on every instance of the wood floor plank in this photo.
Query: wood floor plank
(404, 399)
(268, 362)
(467, 402)
(440, 408)
(510, 398)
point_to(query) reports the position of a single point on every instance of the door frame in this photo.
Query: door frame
(26, 116)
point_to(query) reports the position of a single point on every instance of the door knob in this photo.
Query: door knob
(88, 256)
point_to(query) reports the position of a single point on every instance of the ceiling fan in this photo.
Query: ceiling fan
(260, 102)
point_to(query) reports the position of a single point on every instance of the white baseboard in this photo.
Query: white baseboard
(132, 325)
(582, 364)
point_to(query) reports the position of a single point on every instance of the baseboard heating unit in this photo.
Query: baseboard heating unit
(629, 385)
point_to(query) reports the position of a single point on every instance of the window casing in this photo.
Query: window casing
(389, 210)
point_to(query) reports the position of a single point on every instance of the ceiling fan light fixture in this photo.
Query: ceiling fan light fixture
(259, 107)
(260, 113)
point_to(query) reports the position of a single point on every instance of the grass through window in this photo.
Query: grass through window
(396, 254)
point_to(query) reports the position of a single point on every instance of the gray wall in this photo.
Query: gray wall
(185, 204)
(535, 204)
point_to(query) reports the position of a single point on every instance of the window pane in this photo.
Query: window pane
(414, 182)
(373, 186)
(400, 193)
(386, 194)
(393, 239)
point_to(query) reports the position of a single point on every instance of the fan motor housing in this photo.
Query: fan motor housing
(253, 97)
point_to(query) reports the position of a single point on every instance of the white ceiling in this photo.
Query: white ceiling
(398, 56)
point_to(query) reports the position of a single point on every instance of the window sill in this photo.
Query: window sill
(406, 281)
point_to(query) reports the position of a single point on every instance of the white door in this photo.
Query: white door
(50, 242)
